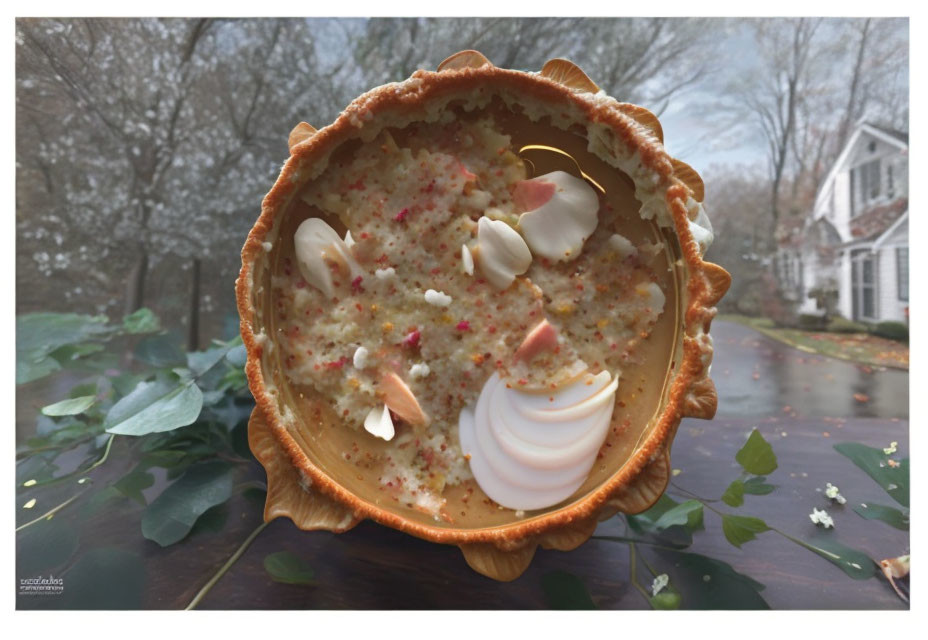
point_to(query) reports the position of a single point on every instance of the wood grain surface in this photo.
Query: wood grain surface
(373, 567)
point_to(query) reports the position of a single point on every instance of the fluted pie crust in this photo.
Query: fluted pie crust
(312, 498)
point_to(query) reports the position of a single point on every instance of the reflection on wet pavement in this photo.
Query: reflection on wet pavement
(759, 376)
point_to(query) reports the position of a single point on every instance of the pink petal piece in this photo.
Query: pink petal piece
(528, 195)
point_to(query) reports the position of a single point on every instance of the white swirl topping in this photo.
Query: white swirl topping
(561, 213)
(531, 451)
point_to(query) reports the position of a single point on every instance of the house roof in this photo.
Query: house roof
(875, 222)
(891, 136)
(901, 136)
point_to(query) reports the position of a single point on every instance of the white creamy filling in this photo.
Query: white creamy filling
(531, 451)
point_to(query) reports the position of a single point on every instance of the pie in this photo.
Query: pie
(475, 308)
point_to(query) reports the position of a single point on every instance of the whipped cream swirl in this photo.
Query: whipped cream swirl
(533, 450)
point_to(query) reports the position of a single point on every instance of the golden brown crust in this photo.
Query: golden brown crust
(691, 394)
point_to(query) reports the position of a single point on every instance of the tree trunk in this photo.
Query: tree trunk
(135, 286)
(193, 319)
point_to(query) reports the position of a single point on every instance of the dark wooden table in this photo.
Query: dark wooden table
(373, 567)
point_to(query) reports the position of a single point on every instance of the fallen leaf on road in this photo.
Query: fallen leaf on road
(861, 398)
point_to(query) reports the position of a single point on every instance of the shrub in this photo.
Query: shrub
(812, 322)
(843, 325)
(892, 330)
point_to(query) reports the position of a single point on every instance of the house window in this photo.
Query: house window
(902, 272)
(889, 181)
(869, 181)
(863, 285)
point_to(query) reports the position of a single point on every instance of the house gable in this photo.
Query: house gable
(871, 172)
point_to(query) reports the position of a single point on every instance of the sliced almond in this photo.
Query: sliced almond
(401, 400)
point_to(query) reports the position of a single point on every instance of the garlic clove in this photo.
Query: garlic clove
(316, 243)
(501, 253)
(557, 228)
(379, 423)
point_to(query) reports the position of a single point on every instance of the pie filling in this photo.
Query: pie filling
(477, 310)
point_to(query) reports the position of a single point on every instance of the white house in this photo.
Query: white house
(855, 245)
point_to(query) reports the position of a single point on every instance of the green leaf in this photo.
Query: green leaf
(756, 456)
(45, 332)
(758, 487)
(688, 514)
(141, 321)
(202, 361)
(890, 515)
(734, 494)
(70, 407)
(288, 568)
(28, 370)
(169, 518)
(87, 389)
(164, 459)
(237, 356)
(856, 564)
(677, 535)
(104, 578)
(161, 405)
(73, 352)
(706, 583)
(741, 529)
(160, 350)
(565, 591)
(665, 601)
(40, 334)
(133, 483)
(894, 480)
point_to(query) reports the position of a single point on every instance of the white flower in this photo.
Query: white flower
(659, 583)
(822, 518)
(437, 298)
(831, 491)
(891, 449)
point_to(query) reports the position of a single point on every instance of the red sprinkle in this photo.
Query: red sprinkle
(401, 215)
(412, 339)
(338, 364)
(463, 325)
(356, 284)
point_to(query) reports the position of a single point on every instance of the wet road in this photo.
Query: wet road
(759, 376)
